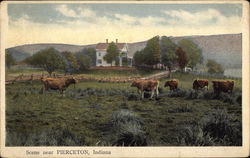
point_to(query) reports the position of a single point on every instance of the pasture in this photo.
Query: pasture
(108, 114)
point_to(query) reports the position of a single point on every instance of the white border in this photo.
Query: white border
(139, 151)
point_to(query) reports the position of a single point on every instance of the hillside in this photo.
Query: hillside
(225, 49)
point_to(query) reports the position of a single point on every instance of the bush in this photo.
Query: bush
(193, 135)
(125, 116)
(223, 127)
(127, 129)
(178, 93)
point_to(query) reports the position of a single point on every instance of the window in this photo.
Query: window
(100, 53)
(99, 61)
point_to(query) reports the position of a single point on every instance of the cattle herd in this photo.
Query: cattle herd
(144, 85)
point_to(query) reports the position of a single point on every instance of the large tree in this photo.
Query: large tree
(168, 55)
(84, 61)
(194, 53)
(151, 52)
(49, 59)
(214, 67)
(138, 58)
(71, 64)
(181, 58)
(112, 53)
(9, 60)
(91, 53)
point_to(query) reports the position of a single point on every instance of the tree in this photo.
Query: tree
(91, 52)
(214, 67)
(138, 58)
(112, 53)
(49, 59)
(168, 55)
(71, 64)
(151, 52)
(84, 62)
(194, 53)
(9, 60)
(181, 58)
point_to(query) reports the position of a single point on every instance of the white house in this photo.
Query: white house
(101, 51)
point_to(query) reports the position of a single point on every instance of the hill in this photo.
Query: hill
(225, 49)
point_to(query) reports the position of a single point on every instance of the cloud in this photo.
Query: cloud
(89, 27)
(201, 18)
(81, 12)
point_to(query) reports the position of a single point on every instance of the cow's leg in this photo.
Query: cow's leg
(152, 94)
(157, 92)
(142, 94)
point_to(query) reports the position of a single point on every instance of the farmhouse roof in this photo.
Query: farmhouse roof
(105, 45)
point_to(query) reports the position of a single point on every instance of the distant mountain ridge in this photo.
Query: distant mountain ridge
(225, 49)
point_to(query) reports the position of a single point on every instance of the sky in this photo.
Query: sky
(89, 23)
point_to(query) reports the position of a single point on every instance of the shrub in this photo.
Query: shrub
(125, 116)
(130, 134)
(193, 135)
(223, 127)
(178, 93)
(127, 129)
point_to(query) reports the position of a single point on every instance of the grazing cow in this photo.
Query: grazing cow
(57, 83)
(223, 86)
(146, 85)
(172, 84)
(197, 84)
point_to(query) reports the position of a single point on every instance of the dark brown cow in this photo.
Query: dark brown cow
(198, 84)
(146, 85)
(223, 86)
(57, 83)
(172, 84)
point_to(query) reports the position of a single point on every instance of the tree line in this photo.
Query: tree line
(52, 60)
(157, 51)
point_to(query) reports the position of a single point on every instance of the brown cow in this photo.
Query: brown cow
(223, 86)
(57, 83)
(197, 84)
(146, 85)
(173, 84)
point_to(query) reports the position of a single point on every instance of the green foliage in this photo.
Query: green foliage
(49, 59)
(127, 129)
(223, 127)
(138, 58)
(168, 55)
(181, 58)
(83, 61)
(71, 64)
(91, 53)
(214, 67)
(151, 52)
(9, 60)
(193, 135)
(194, 53)
(112, 53)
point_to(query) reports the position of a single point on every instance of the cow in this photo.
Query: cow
(57, 83)
(146, 85)
(223, 86)
(198, 84)
(172, 84)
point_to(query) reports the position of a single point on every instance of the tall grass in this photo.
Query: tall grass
(127, 129)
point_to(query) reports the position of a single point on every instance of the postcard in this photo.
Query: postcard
(124, 79)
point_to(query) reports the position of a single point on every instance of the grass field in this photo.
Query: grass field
(112, 114)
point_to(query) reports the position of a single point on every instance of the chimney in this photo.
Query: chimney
(107, 41)
(116, 40)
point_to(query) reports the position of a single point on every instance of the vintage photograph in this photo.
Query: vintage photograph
(124, 74)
